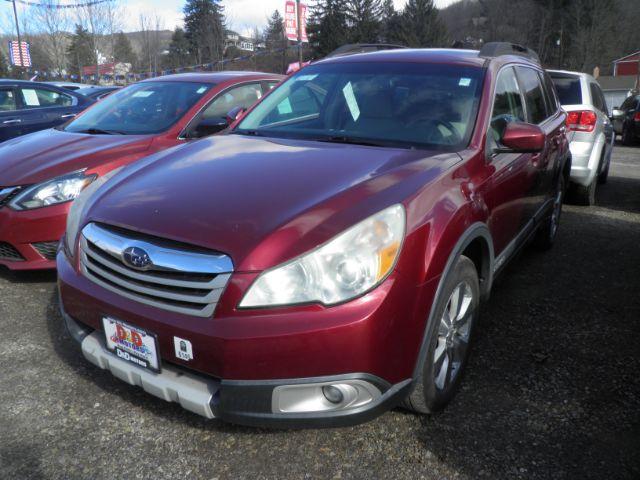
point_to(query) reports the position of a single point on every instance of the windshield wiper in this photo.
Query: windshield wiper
(353, 141)
(100, 131)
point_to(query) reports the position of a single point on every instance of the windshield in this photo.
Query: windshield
(407, 105)
(568, 88)
(143, 108)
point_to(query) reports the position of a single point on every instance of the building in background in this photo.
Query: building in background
(627, 65)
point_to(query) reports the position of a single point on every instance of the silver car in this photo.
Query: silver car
(591, 133)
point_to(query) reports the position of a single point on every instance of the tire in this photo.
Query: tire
(546, 235)
(604, 174)
(627, 137)
(586, 196)
(447, 347)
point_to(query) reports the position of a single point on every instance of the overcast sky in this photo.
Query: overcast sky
(241, 14)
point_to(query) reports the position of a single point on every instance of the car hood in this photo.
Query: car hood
(261, 201)
(46, 154)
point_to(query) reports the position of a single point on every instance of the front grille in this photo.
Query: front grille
(179, 279)
(8, 252)
(47, 249)
(6, 194)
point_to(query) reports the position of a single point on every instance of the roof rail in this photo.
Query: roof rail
(496, 49)
(354, 48)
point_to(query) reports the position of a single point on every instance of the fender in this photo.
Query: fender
(475, 231)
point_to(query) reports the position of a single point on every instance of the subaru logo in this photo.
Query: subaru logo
(137, 258)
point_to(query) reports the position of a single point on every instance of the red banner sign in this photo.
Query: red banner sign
(291, 21)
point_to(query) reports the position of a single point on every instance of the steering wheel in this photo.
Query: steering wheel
(434, 133)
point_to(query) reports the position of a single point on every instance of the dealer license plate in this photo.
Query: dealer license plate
(132, 344)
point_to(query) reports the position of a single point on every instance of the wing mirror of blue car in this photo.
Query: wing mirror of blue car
(521, 138)
(235, 114)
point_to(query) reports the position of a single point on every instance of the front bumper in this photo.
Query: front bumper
(252, 403)
(243, 359)
(28, 238)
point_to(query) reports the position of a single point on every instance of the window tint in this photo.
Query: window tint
(39, 97)
(596, 98)
(243, 96)
(7, 100)
(534, 95)
(550, 94)
(568, 88)
(507, 105)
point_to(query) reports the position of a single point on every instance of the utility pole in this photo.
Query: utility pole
(299, 32)
(15, 16)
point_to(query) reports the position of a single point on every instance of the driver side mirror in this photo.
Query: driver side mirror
(208, 126)
(235, 114)
(616, 113)
(521, 138)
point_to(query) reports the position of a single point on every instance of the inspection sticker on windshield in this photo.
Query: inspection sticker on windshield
(464, 82)
(201, 90)
(305, 78)
(143, 94)
(352, 103)
(284, 107)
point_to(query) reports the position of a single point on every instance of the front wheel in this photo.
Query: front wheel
(448, 338)
(547, 232)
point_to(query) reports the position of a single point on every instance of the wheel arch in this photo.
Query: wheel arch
(476, 242)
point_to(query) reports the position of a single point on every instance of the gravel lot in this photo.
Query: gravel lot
(552, 390)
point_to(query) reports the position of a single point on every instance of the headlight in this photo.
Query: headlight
(347, 266)
(77, 208)
(59, 190)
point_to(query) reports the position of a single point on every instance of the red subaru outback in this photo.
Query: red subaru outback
(41, 173)
(325, 260)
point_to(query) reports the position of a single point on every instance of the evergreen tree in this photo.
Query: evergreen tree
(80, 52)
(205, 29)
(274, 34)
(390, 24)
(421, 26)
(363, 18)
(179, 50)
(4, 66)
(327, 27)
(122, 50)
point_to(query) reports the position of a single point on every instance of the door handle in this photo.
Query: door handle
(10, 122)
(68, 115)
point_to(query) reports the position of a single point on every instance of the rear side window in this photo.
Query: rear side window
(243, 96)
(534, 95)
(568, 88)
(550, 92)
(596, 97)
(507, 105)
(7, 100)
(39, 97)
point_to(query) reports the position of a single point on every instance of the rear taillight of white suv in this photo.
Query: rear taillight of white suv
(582, 121)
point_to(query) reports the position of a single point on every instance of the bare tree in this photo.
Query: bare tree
(54, 23)
(150, 27)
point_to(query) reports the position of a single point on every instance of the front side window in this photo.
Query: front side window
(7, 100)
(142, 108)
(243, 96)
(507, 104)
(39, 97)
(393, 104)
(533, 94)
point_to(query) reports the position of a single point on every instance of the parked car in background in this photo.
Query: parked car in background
(69, 85)
(626, 120)
(96, 93)
(591, 133)
(27, 107)
(325, 258)
(40, 174)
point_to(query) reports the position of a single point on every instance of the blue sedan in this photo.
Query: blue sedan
(27, 107)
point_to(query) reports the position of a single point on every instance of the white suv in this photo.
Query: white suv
(591, 133)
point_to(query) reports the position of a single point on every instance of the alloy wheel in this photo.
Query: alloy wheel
(453, 336)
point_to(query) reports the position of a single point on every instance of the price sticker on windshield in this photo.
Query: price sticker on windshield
(352, 103)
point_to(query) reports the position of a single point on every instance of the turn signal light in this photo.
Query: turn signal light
(582, 121)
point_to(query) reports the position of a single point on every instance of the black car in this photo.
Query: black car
(96, 93)
(626, 120)
(27, 107)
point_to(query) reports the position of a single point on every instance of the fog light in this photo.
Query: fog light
(333, 394)
(323, 396)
